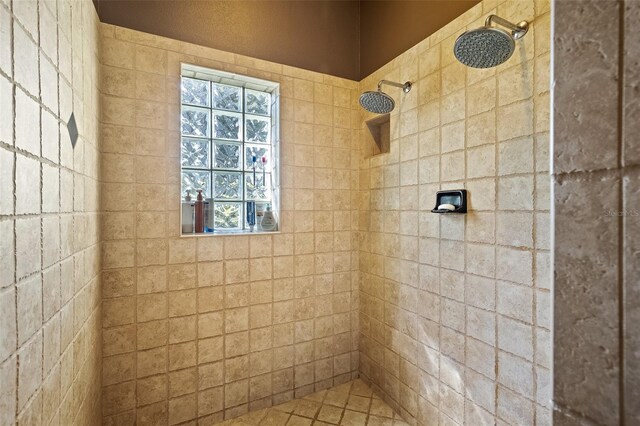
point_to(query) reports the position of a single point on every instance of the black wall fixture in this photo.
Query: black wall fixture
(456, 198)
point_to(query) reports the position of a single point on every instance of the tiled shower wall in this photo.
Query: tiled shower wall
(455, 309)
(209, 327)
(49, 264)
(597, 212)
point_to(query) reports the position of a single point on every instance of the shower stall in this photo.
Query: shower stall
(412, 269)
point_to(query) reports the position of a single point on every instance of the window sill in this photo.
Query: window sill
(229, 233)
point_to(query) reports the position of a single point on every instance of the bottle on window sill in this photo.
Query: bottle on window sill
(269, 220)
(251, 215)
(187, 217)
(199, 213)
(259, 216)
(208, 215)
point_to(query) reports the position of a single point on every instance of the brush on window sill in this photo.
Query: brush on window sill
(264, 167)
(254, 160)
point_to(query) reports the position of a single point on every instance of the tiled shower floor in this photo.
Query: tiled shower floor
(352, 404)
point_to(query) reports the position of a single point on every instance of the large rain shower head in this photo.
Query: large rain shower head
(379, 102)
(487, 47)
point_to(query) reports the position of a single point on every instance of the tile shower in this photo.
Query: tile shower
(445, 319)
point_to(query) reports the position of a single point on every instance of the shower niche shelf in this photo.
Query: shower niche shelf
(379, 134)
(456, 198)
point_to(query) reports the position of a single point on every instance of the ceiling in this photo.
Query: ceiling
(345, 38)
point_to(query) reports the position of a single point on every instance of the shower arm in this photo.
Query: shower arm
(406, 87)
(517, 30)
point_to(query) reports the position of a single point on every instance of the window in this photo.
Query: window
(228, 147)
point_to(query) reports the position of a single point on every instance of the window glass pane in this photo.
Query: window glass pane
(227, 155)
(223, 128)
(195, 122)
(226, 97)
(258, 151)
(195, 92)
(227, 215)
(227, 126)
(195, 153)
(227, 186)
(257, 102)
(261, 190)
(192, 180)
(257, 129)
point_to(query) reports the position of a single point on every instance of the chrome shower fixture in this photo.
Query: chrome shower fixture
(487, 46)
(379, 102)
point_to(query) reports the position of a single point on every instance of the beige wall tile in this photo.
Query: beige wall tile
(119, 340)
(118, 81)
(30, 371)
(515, 229)
(210, 299)
(514, 265)
(150, 362)
(598, 195)
(118, 254)
(152, 334)
(117, 53)
(5, 46)
(210, 401)
(513, 407)
(631, 341)
(25, 58)
(515, 301)
(7, 160)
(573, 56)
(29, 312)
(516, 156)
(8, 323)
(27, 190)
(210, 350)
(118, 369)
(515, 193)
(118, 111)
(151, 389)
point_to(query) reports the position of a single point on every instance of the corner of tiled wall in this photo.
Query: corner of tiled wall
(455, 310)
(50, 345)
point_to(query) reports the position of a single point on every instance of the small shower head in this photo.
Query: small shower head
(487, 47)
(379, 102)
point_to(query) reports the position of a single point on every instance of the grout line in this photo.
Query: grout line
(561, 177)
(495, 177)
(534, 239)
(621, 222)
(14, 200)
(41, 196)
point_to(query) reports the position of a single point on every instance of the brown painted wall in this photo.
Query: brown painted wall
(321, 36)
(388, 28)
(349, 39)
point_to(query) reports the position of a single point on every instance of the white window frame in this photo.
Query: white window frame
(246, 83)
